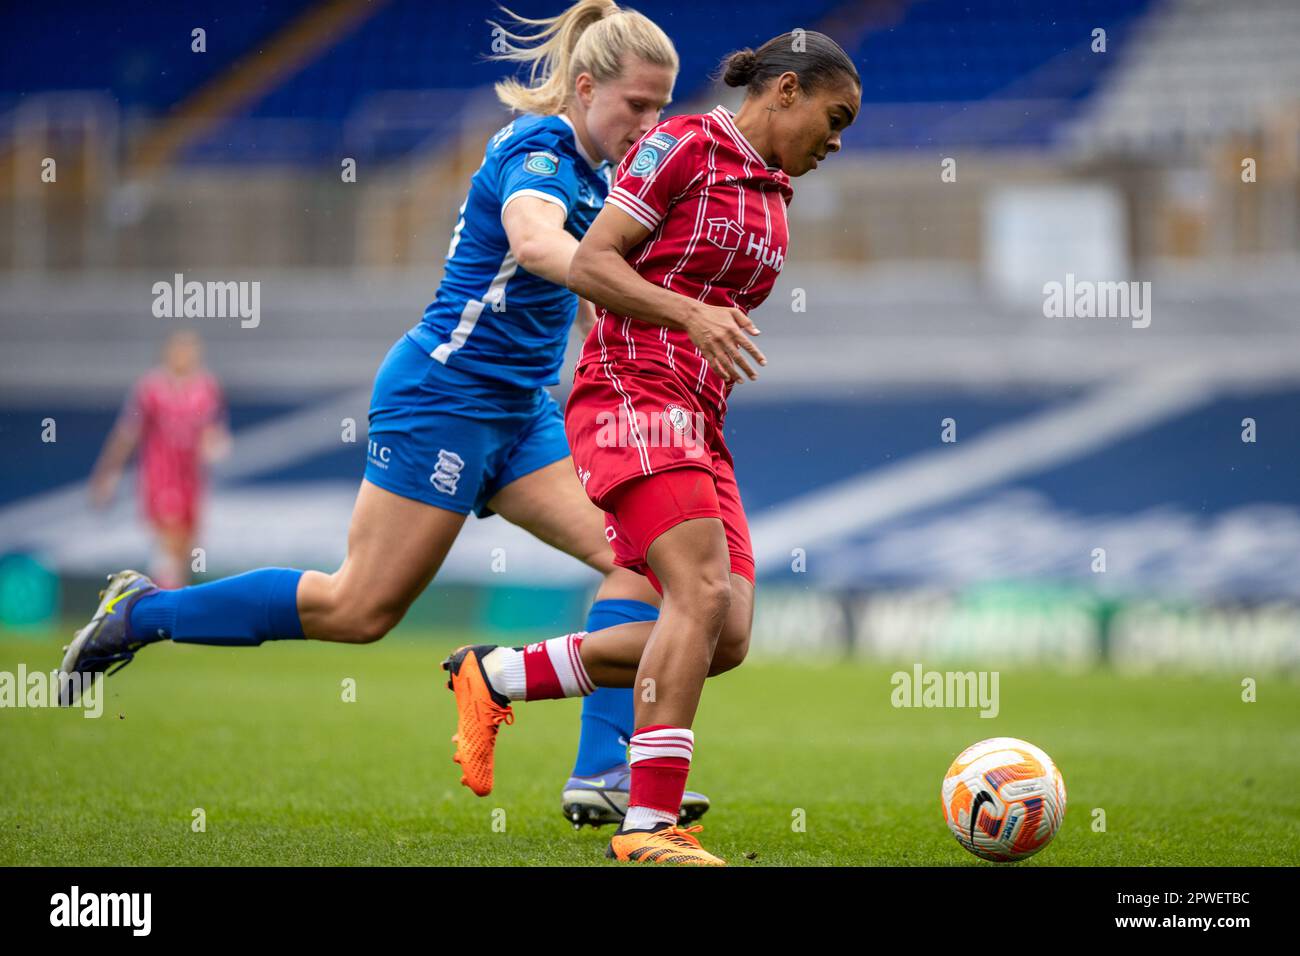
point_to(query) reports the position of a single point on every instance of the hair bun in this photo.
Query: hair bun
(741, 67)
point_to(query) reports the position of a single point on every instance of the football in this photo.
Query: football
(1003, 798)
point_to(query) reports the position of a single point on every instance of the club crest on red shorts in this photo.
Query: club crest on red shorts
(678, 418)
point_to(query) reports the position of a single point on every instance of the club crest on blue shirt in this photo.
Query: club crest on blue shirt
(655, 147)
(542, 163)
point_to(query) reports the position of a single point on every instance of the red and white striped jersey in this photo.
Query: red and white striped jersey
(717, 215)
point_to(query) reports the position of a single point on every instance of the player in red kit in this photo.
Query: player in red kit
(176, 416)
(692, 237)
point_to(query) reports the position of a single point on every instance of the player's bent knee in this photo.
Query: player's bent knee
(733, 640)
(367, 632)
(730, 652)
(704, 603)
(362, 625)
(709, 596)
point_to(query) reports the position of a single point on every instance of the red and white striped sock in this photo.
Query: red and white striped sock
(660, 757)
(546, 670)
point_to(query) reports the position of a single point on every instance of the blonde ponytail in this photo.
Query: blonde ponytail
(591, 36)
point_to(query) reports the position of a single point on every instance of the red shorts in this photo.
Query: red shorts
(171, 505)
(651, 456)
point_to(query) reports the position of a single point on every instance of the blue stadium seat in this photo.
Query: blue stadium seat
(935, 52)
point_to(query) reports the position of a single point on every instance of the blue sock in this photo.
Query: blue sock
(607, 714)
(242, 611)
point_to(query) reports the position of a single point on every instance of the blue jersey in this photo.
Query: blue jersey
(491, 318)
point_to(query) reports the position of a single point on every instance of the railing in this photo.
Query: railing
(286, 203)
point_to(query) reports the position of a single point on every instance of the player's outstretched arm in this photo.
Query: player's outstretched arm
(538, 241)
(117, 451)
(600, 272)
(112, 461)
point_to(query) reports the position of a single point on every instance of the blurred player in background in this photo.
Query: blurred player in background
(692, 238)
(460, 420)
(176, 416)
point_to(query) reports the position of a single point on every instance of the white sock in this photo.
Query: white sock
(644, 818)
(504, 670)
(671, 748)
(547, 670)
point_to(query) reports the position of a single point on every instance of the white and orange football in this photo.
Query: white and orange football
(1003, 799)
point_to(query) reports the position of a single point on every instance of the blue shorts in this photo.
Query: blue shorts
(453, 440)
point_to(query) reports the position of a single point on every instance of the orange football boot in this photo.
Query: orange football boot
(480, 713)
(664, 844)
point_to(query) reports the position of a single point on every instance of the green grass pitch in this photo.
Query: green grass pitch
(288, 773)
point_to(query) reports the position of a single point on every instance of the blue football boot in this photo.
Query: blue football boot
(105, 641)
(602, 799)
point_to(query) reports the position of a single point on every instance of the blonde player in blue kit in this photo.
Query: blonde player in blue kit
(460, 419)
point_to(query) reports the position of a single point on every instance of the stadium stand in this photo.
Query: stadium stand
(1207, 69)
